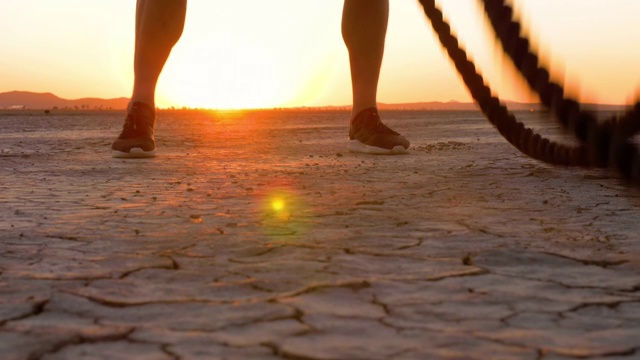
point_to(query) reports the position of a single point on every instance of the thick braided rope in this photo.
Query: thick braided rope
(608, 142)
(515, 132)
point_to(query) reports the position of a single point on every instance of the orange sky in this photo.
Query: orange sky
(251, 53)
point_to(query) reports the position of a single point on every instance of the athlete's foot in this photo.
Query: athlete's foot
(136, 139)
(368, 134)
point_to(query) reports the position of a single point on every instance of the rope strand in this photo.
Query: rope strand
(608, 142)
(515, 132)
(602, 145)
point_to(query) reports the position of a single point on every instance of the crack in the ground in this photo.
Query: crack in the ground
(261, 288)
(298, 315)
(36, 309)
(277, 350)
(544, 352)
(259, 254)
(54, 349)
(557, 282)
(165, 349)
(404, 255)
(63, 237)
(611, 305)
(78, 339)
(418, 243)
(118, 304)
(355, 285)
(635, 289)
(126, 274)
(483, 230)
(174, 264)
(385, 307)
(605, 264)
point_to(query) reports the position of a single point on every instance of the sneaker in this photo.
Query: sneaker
(136, 139)
(369, 135)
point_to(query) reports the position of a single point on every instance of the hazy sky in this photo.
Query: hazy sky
(259, 53)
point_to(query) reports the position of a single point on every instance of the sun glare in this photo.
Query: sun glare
(230, 72)
(249, 54)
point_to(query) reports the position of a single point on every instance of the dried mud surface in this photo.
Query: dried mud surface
(259, 236)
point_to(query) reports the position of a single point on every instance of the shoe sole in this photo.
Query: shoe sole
(358, 147)
(135, 153)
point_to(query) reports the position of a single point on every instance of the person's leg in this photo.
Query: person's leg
(159, 25)
(364, 28)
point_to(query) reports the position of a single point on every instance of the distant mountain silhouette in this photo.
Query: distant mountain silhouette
(436, 105)
(511, 105)
(31, 100)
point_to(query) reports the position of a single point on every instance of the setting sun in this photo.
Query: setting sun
(231, 72)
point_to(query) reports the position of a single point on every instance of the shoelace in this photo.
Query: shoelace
(129, 125)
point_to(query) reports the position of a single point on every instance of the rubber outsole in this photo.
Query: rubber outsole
(135, 153)
(358, 147)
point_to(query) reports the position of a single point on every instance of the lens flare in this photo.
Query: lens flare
(277, 204)
(281, 205)
(283, 214)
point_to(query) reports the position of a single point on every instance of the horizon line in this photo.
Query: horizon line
(414, 105)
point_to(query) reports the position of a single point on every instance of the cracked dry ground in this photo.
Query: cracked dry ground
(257, 236)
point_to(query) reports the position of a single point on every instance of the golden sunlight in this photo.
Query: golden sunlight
(231, 72)
(232, 58)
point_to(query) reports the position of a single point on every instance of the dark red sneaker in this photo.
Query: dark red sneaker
(136, 139)
(368, 134)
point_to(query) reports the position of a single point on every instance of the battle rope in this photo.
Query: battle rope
(602, 139)
(600, 142)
